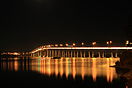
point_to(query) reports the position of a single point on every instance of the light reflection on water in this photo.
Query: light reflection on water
(93, 67)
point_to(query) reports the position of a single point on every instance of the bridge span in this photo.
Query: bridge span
(78, 51)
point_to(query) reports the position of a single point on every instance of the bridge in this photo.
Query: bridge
(72, 51)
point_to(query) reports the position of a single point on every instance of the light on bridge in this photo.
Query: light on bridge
(127, 42)
(110, 42)
(82, 43)
(107, 43)
(52, 45)
(94, 43)
(61, 44)
(66, 44)
(56, 45)
(49, 46)
(74, 44)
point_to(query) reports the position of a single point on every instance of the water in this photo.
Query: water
(61, 73)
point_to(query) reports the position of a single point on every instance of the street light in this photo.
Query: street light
(110, 42)
(56, 45)
(127, 42)
(61, 44)
(73, 44)
(107, 43)
(94, 43)
(52, 45)
(82, 43)
(66, 44)
(49, 45)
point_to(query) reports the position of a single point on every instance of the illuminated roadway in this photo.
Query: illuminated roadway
(82, 48)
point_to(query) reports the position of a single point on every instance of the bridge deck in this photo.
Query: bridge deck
(82, 48)
(120, 48)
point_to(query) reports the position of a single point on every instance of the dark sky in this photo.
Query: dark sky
(27, 24)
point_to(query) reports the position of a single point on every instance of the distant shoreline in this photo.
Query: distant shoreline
(8, 56)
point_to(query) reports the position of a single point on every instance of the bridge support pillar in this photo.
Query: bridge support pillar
(77, 54)
(89, 54)
(58, 54)
(111, 54)
(99, 54)
(116, 55)
(74, 54)
(92, 54)
(70, 53)
(47, 53)
(62, 54)
(66, 53)
(84, 54)
(51, 53)
(103, 54)
(81, 54)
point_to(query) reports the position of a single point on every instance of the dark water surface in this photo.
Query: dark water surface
(59, 73)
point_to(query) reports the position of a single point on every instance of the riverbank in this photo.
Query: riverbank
(124, 67)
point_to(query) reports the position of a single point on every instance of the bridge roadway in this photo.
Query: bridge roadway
(83, 48)
(86, 48)
(78, 51)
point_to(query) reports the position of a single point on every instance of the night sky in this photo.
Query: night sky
(27, 24)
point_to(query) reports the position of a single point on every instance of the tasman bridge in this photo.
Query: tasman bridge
(81, 51)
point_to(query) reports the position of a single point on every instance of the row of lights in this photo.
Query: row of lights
(93, 43)
(10, 53)
(74, 44)
(128, 42)
(68, 44)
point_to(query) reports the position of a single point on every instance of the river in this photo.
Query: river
(60, 73)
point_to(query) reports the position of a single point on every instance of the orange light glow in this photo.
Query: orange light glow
(70, 66)
(82, 43)
(127, 42)
(94, 43)
(61, 44)
(83, 70)
(94, 71)
(110, 42)
(66, 44)
(74, 69)
(16, 65)
(73, 44)
(56, 45)
(107, 42)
